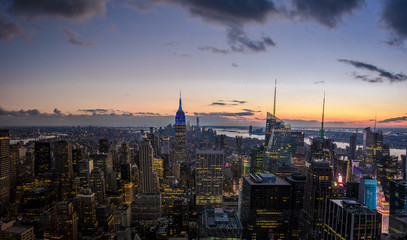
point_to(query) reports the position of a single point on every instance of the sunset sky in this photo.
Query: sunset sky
(124, 62)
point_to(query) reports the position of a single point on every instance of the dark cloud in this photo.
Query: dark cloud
(235, 65)
(147, 114)
(326, 12)
(392, 77)
(8, 30)
(369, 79)
(73, 38)
(94, 111)
(57, 112)
(396, 119)
(218, 103)
(69, 9)
(319, 82)
(224, 114)
(29, 112)
(250, 110)
(141, 5)
(240, 42)
(227, 11)
(239, 101)
(395, 17)
(214, 50)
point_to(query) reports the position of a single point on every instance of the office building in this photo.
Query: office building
(398, 196)
(4, 168)
(18, 233)
(85, 168)
(368, 192)
(104, 146)
(104, 161)
(350, 219)
(265, 211)
(297, 182)
(65, 220)
(278, 147)
(148, 179)
(352, 146)
(372, 145)
(42, 158)
(256, 157)
(209, 177)
(63, 158)
(180, 135)
(98, 184)
(317, 189)
(87, 211)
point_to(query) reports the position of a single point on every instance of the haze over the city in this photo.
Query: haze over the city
(124, 62)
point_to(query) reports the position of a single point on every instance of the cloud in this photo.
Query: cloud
(250, 110)
(73, 38)
(214, 50)
(57, 112)
(218, 103)
(395, 17)
(228, 102)
(224, 114)
(141, 5)
(8, 30)
(396, 119)
(326, 12)
(94, 111)
(392, 77)
(68, 9)
(226, 11)
(319, 82)
(235, 65)
(369, 79)
(29, 112)
(240, 42)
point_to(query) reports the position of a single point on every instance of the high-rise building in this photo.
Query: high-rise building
(125, 153)
(65, 220)
(209, 177)
(85, 168)
(349, 219)
(398, 197)
(42, 162)
(265, 211)
(87, 212)
(368, 192)
(297, 182)
(148, 180)
(63, 158)
(77, 155)
(4, 167)
(98, 184)
(18, 233)
(256, 157)
(352, 146)
(317, 189)
(278, 148)
(103, 146)
(104, 161)
(372, 145)
(180, 135)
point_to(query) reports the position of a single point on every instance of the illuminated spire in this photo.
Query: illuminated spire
(275, 91)
(322, 131)
(180, 104)
(375, 120)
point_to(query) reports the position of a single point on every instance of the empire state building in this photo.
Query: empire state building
(180, 134)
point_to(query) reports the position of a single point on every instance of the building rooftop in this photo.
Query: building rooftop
(353, 206)
(17, 230)
(219, 218)
(200, 151)
(265, 179)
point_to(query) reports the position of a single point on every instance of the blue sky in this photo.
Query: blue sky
(131, 59)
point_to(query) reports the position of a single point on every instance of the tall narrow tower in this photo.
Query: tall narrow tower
(180, 134)
(322, 131)
(4, 167)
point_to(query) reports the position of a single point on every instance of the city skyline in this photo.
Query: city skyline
(122, 63)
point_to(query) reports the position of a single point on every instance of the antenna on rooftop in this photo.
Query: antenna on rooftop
(275, 91)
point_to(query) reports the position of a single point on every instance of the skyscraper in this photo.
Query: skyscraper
(352, 146)
(148, 180)
(265, 207)
(63, 158)
(278, 147)
(209, 177)
(317, 189)
(180, 134)
(4, 167)
(372, 145)
(349, 219)
(87, 211)
(368, 192)
(98, 184)
(42, 161)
